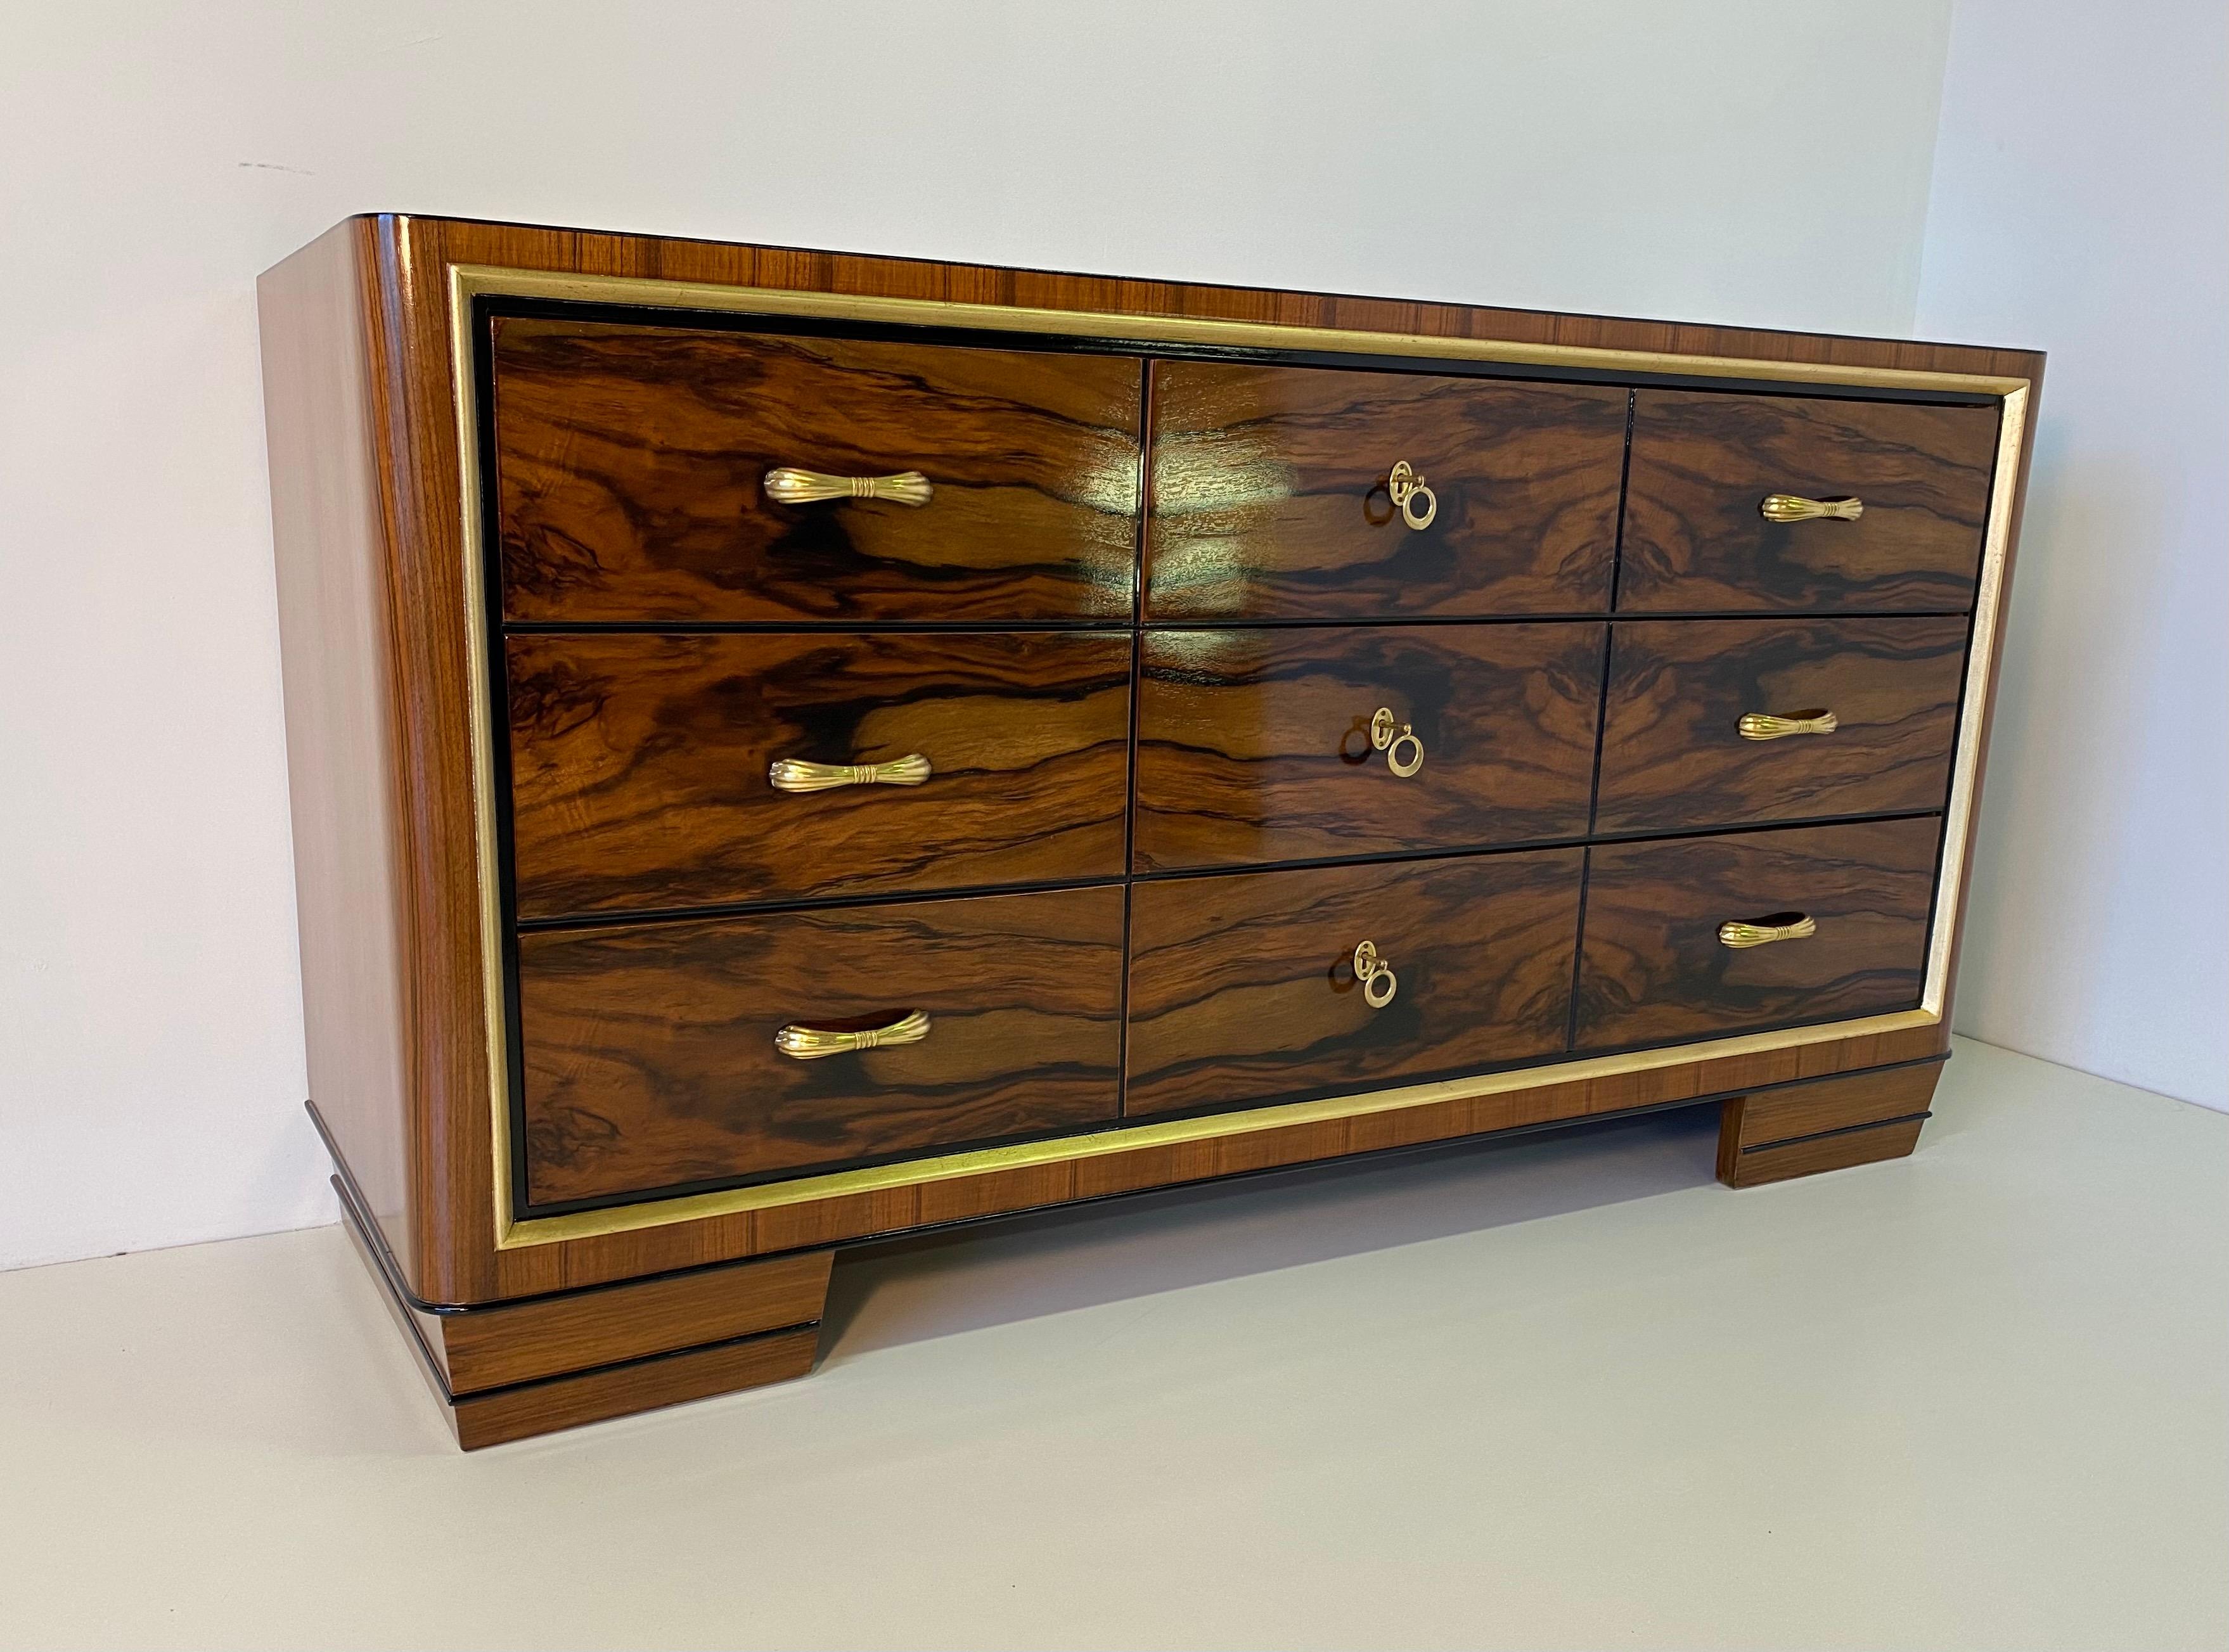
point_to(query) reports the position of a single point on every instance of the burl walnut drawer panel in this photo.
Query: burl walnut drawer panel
(1244, 988)
(643, 768)
(1741, 722)
(1653, 967)
(1697, 539)
(1270, 499)
(651, 1058)
(632, 462)
(1254, 744)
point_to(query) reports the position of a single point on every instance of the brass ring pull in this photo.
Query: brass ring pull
(790, 487)
(1759, 725)
(1787, 507)
(1780, 926)
(793, 774)
(810, 1043)
(1378, 983)
(1419, 505)
(1382, 738)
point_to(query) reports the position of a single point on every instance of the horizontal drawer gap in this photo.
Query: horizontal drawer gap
(816, 904)
(791, 628)
(906, 897)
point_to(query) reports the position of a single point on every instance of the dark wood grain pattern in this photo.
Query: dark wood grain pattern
(1269, 494)
(630, 462)
(1653, 969)
(1254, 744)
(1672, 752)
(401, 896)
(1703, 461)
(1243, 988)
(639, 764)
(1750, 1121)
(1786, 1161)
(650, 1048)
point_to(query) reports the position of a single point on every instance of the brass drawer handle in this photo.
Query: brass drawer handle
(1382, 738)
(1418, 503)
(1779, 926)
(793, 775)
(1760, 725)
(1787, 507)
(1378, 981)
(810, 1043)
(788, 487)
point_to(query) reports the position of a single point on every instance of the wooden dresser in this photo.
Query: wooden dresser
(789, 747)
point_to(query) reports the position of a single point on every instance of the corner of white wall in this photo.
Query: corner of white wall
(2080, 205)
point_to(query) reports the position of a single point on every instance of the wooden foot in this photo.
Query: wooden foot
(511, 1370)
(1824, 1124)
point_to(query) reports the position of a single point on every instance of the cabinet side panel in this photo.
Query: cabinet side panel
(329, 539)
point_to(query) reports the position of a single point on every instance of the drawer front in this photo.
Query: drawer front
(642, 766)
(1255, 745)
(650, 1049)
(1697, 539)
(631, 465)
(1725, 722)
(1243, 989)
(1654, 970)
(1270, 494)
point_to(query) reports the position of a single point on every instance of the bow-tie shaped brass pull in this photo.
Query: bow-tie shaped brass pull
(1418, 503)
(1791, 507)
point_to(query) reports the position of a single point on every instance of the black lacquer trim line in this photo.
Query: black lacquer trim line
(1935, 913)
(1116, 627)
(498, 692)
(1166, 875)
(1400, 857)
(354, 1204)
(1840, 1129)
(386, 1280)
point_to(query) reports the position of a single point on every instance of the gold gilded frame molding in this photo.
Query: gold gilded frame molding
(468, 282)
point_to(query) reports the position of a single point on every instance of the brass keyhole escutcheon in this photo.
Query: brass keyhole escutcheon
(1382, 738)
(1378, 983)
(1419, 505)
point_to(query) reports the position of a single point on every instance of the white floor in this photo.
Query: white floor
(1560, 1391)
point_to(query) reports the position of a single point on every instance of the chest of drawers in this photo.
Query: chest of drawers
(790, 748)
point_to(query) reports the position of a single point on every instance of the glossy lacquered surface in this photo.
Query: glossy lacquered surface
(1653, 969)
(1674, 756)
(1254, 744)
(650, 1049)
(378, 542)
(641, 764)
(631, 466)
(1704, 462)
(1244, 988)
(1269, 496)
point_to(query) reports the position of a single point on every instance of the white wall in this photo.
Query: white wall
(1758, 162)
(2081, 203)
